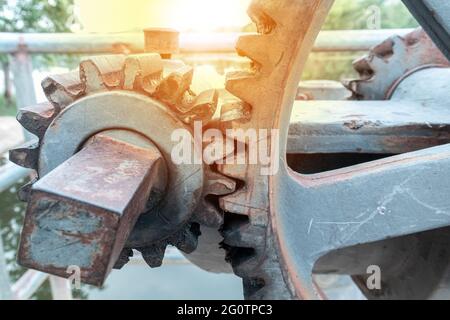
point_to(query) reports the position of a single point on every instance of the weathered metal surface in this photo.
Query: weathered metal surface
(282, 224)
(36, 118)
(373, 127)
(143, 71)
(387, 62)
(270, 90)
(63, 89)
(434, 16)
(102, 73)
(27, 155)
(82, 212)
(138, 113)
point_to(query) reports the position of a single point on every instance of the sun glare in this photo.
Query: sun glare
(183, 15)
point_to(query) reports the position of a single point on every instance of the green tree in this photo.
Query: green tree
(33, 16)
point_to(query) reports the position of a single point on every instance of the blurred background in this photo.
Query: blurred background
(178, 279)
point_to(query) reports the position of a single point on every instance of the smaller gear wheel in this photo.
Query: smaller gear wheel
(166, 81)
(389, 61)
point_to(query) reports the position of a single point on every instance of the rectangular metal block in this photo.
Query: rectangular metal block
(81, 213)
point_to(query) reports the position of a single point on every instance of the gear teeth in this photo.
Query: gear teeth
(153, 255)
(203, 107)
(211, 148)
(260, 49)
(143, 72)
(218, 184)
(232, 168)
(172, 88)
(25, 191)
(124, 258)
(208, 213)
(102, 73)
(244, 261)
(187, 239)
(63, 89)
(238, 111)
(364, 68)
(407, 53)
(238, 232)
(242, 84)
(26, 156)
(233, 203)
(265, 23)
(36, 119)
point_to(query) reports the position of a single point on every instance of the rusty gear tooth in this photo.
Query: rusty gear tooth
(233, 202)
(173, 87)
(37, 118)
(143, 72)
(238, 110)
(153, 255)
(239, 232)
(63, 89)
(202, 108)
(208, 213)
(242, 84)
(258, 12)
(124, 258)
(26, 156)
(260, 49)
(187, 239)
(25, 191)
(102, 73)
(244, 261)
(233, 169)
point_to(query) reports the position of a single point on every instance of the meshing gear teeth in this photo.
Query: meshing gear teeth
(147, 74)
(246, 232)
(387, 62)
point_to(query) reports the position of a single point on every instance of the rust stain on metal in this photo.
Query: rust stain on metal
(82, 212)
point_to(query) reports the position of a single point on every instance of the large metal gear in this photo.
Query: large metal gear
(269, 240)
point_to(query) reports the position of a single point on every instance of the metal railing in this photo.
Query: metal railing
(20, 46)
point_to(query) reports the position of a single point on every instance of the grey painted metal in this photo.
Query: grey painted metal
(434, 17)
(374, 127)
(379, 200)
(339, 40)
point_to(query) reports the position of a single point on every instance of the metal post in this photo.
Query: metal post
(5, 288)
(60, 288)
(22, 69)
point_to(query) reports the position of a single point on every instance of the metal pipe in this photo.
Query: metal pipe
(28, 284)
(10, 174)
(5, 288)
(328, 41)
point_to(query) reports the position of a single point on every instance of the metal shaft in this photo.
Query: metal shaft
(81, 213)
